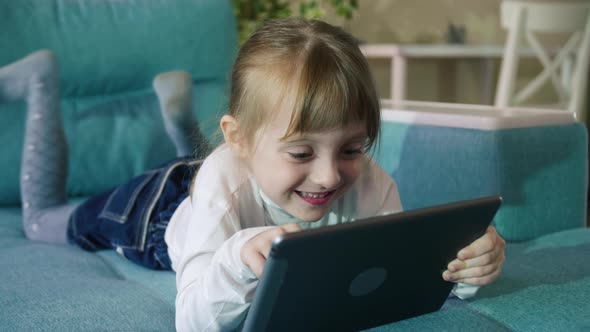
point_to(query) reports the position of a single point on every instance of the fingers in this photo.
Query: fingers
(490, 257)
(263, 241)
(480, 263)
(489, 241)
(256, 250)
(256, 263)
(479, 280)
(479, 275)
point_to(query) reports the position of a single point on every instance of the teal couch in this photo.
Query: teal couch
(111, 50)
(537, 160)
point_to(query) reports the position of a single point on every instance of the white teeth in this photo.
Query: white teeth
(311, 195)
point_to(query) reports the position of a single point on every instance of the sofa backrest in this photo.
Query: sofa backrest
(109, 52)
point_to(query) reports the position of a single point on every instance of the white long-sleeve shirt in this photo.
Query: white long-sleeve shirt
(226, 209)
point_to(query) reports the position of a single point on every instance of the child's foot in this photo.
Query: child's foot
(174, 91)
(16, 78)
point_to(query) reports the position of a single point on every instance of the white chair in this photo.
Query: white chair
(567, 70)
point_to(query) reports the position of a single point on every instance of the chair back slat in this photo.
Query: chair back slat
(548, 17)
(566, 67)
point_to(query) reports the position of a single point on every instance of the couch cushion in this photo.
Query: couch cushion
(63, 288)
(58, 288)
(111, 138)
(162, 283)
(109, 52)
(545, 285)
(455, 315)
(116, 46)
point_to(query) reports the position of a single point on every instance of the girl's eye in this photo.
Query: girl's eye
(353, 152)
(300, 155)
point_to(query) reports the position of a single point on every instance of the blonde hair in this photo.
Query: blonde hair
(317, 65)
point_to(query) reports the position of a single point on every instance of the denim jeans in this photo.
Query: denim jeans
(132, 218)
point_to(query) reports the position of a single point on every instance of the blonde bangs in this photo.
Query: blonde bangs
(313, 68)
(331, 92)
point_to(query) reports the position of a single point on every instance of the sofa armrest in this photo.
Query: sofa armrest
(536, 160)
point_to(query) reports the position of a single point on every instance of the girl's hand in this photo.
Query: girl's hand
(256, 250)
(480, 262)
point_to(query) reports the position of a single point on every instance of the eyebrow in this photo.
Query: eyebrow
(304, 139)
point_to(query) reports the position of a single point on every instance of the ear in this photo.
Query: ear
(231, 134)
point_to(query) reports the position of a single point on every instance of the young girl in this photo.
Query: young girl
(303, 112)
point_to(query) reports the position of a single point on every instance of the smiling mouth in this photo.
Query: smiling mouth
(316, 198)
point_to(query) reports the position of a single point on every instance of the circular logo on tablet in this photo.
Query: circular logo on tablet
(367, 281)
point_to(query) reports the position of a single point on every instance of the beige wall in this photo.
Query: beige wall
(426, 21)
(410, 21)
(418, 21)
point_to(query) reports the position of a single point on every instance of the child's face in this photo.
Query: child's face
(305, 174)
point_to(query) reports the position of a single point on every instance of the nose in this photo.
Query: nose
(326, 173)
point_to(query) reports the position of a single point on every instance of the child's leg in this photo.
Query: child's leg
(174, 91)
(44, 161)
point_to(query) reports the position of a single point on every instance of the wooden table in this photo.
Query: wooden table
(401, 53)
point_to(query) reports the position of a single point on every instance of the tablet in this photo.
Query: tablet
(371, 272)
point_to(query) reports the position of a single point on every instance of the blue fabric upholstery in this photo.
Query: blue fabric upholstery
(545, 285)
(110, 51)
(62, 288)
(540, 172)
